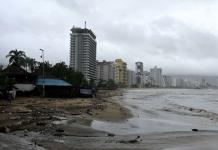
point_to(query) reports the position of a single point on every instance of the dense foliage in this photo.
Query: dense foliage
(31, 63)
(1, 67)
(59, 70)
(6, 84)
(62, 71)
(110, 84)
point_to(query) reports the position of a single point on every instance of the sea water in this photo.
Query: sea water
(165, 110)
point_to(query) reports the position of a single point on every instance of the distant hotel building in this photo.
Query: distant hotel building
(105, 70)
(131, 78)
(83, 52)
(120, 72)
(146, 79)
(156, 77)
(139, 73)
(167, 81)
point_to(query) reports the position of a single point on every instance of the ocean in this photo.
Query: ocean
(165, 110)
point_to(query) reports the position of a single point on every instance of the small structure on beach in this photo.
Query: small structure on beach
(55, 87)
(24, 81)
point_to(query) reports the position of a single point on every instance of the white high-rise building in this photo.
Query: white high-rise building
(83, 52)
(156, 77)
(105, 70)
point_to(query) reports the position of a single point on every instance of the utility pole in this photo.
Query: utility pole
(43, 73)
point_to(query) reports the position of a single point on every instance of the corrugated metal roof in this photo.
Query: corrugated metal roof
(52, 82)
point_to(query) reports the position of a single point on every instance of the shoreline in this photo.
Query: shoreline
(112, 111)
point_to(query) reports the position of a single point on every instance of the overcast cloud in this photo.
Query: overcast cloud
(180, 36)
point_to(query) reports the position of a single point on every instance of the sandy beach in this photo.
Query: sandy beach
(52, 116)
(110, 121)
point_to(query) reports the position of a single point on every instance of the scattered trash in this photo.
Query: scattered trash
(41, 123)
(195, 130)
(75, 113)
(136, 140)
(89, 112)
(60, 130)
(7, 130)
(111, 134)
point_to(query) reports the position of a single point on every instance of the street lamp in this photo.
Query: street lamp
(43, 73)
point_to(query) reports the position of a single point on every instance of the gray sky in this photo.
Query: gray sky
(180, 36)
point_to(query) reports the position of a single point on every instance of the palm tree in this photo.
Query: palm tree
(17, 57)
(31, 63)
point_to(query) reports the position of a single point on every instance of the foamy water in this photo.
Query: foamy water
(165, 110)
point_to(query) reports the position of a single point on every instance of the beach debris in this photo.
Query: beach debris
(59, 135)
(14, 118)
(59, 130)
(111, 134)
(167, 110)
(134, 141)
(76, 113)
(7, 130)
(41, 123)
(4, 129)
(195, 130)
(89, 112)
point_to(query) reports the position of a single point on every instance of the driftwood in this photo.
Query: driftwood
(134, 141)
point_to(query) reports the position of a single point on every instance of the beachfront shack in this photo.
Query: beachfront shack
(24, 81)
(55, 87)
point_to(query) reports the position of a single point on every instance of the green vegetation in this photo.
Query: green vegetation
(6, 84)
(62, 71)
(1, 67)
(59, 70)
(31, 63)
(47, 67)
(110, 84)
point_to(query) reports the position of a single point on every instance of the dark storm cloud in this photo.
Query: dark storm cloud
(172, 34)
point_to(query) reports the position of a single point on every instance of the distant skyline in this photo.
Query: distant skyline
(180, 36)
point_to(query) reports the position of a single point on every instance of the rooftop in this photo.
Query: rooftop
(15, 70)
(85, 30)
(52, 82)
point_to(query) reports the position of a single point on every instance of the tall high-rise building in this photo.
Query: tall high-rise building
(156, 77)
(130, 78)
(83, 52)
(167, 81)
(105, 70)
(146, 79)
(120, 72)
(139, 73)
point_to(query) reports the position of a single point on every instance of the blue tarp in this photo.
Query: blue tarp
(52, 82)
